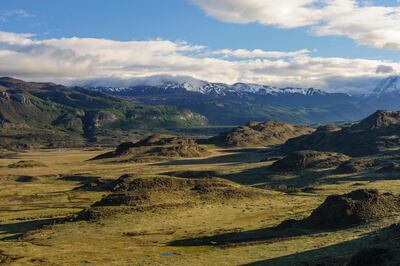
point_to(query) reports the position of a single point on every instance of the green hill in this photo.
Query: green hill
(55, 115)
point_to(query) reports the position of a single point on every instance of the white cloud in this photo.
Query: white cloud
(258, 53)
(70, 59)
(5, 15)
(365, 22)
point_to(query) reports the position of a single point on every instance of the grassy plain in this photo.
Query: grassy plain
(31, 234)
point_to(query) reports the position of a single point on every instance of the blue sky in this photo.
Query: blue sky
(172, 20)
(217, 27)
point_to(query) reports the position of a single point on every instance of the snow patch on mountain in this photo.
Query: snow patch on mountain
(388, 86)
(191, 84)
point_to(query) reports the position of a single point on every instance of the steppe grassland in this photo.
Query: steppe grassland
(143, 237)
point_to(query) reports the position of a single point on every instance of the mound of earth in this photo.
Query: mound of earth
(375, 134)
(162, 140)
(256, 134)
(186, 150)
(26, 164)
(355, 166)
(158, 146)
(355, 208)
(168, 192)
(301, 160)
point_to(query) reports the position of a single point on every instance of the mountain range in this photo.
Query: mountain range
(239, 103)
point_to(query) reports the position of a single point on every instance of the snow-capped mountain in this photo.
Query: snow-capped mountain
(189, 84)
(232, 104)
(389, 85)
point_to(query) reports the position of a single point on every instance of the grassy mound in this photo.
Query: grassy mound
(160, 146)
(26, 164)
(153, 192)
(355, 208)
(355, 166)
(301, 160)
(259, 134)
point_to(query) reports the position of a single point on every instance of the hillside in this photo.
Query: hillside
(259, 134)
(374, 134)
(48, 113)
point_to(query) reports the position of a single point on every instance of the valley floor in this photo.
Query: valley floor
(31, 232)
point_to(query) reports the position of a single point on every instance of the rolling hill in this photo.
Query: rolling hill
(60, 115)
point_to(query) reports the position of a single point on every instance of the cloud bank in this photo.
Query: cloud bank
(67, 60)
(363, 21)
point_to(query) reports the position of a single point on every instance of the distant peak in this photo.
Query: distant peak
(390, 84)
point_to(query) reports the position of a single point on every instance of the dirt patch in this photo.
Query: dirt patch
(26, 164)
(256, 134)
(355, 166)
(301, 160)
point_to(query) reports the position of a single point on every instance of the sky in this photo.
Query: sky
(340, 45)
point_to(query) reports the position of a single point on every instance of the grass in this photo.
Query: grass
(144, 238)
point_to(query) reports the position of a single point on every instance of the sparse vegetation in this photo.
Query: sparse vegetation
(225, 206)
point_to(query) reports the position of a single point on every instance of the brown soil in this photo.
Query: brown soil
(301, 160)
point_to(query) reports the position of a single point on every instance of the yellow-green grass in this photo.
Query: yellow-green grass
(141, 238)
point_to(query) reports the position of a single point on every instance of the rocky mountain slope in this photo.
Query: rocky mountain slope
(47, 111)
